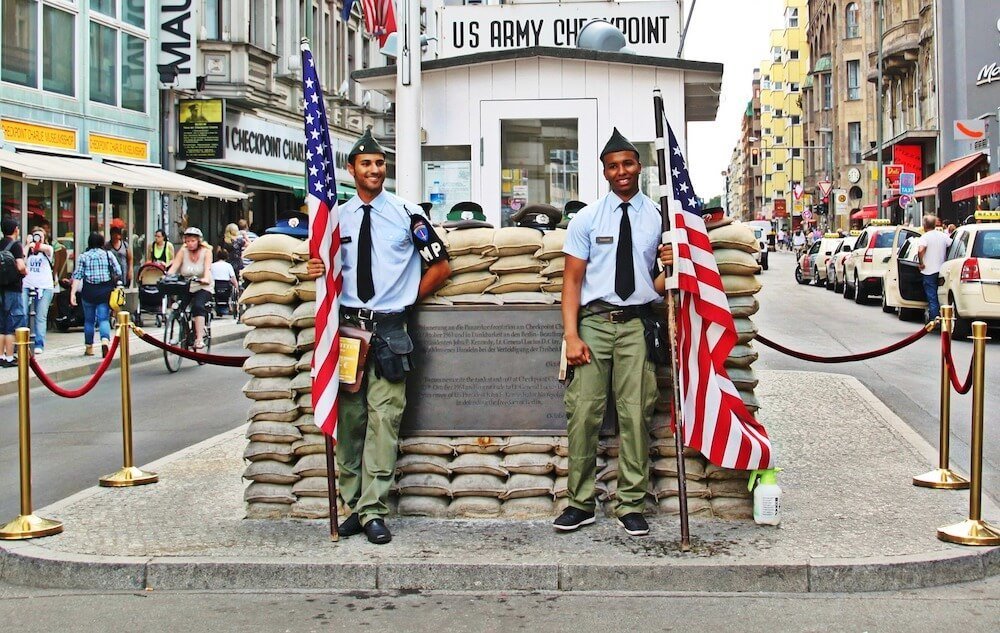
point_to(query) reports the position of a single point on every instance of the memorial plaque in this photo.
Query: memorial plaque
(485, 370)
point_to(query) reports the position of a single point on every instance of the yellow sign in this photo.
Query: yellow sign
(350, 348)
(988, 215)
(42, 135)
(114, 146)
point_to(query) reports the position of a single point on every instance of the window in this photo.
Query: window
(778, 85)
(796, 153)
(779, 167)
(118, 53)
(854, 142)
(792, 18)
(793, 54)
(826, 80)
(766, 108)
(767, 131)
(776, 53)
(852, 22)
(262, 24)
(211, 22)
(779, 113)
(853, 79)
(796, 119)
(779, 140)
(793, 87)
(36, 35)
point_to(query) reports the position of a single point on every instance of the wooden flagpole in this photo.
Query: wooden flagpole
(671, 294)
(331, 488)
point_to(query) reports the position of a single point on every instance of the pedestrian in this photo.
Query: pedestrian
(932, 247)
(118, 247)
(951, 230)
(224, 279)
(383, 240)
(235, 243)
(38, 284)
(96, 274)
(12, 270)
(799, 240)
(608, 294)
(160, 251)
(781, 238)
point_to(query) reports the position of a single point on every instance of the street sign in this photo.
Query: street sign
(907, 183)
(905, 200)
(890, 175)
(824, 187)
(797, 190)
(969, 130)
(840, 201)
(807, 215)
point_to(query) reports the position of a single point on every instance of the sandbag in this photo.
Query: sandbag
(256, 510)
(697, 507)
(516, 264)
(746, 331)
(740, 285)
(301, 251)
(736, 236)
(467, 283)
(474, 508)
(434, 507)
(268, 431)
(313, 465)
(268, 493)
(480, 444)
(529, 444)
(743, 306)
(741, 356)
(427, 445)
(269, 270)
(274, 340)
(270, 472)
(306, 290)
(268, 315)
(528, 463)
(742, 377)
(552, 244)
(517, 282)
(474, 299)
(304, 402)
(282, 410)
(305, 362)
(694, 467)
(732, 509)
(257, 451)
(526, 508)
(477, 486)
(272, 246)
(427, 484)
(516, 240)
(306, 423)
(268, 388)
(470, 241)
(301, 383)
(268, 292)
(521, 485)
(306, 339)
(719, 473)
(667, 487)
(310, 508)
(729, 488)
(555, 268)
(559, 490)
(311, 487)
(310, 444)
(471, 263)
(301, 271)
(526, 298)
(735, 262)
(478, 464)
(304, 315)
(416, 463)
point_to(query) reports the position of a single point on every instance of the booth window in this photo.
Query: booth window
(539, 164)
(24, 47)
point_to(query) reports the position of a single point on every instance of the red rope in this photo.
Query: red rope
(211, 359)
(960, 387)
(76, 393)
(909, 340)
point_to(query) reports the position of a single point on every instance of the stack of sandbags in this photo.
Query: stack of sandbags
(552, 254)
(280, 308)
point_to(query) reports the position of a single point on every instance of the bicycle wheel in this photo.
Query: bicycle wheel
(176, 334)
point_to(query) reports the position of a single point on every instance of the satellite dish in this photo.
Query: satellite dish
(600, 35)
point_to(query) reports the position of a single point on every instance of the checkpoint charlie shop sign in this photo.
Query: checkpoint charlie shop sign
(650, 28)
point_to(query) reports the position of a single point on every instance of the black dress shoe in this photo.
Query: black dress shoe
(377, 532)
(351, 526)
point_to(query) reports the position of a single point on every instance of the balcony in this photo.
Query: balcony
(900, 49)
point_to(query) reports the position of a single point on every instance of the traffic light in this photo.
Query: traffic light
(821, 208)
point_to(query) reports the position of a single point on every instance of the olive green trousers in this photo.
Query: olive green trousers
(618, 359)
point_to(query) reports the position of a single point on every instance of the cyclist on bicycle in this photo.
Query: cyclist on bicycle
(194, 261)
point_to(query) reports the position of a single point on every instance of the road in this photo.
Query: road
(820, 322)
(75, 442)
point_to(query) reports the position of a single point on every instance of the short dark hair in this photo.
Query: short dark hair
(8, 225)
(96, 240)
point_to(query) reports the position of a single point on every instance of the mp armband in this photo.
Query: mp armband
(426, 241)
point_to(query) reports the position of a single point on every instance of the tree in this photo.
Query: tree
(714, 201)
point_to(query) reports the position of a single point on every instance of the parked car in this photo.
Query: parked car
(835, 264)
(868, 261)
(806, 263)
(761, 229)
(903, 285)
(970, 277)
(827, 246)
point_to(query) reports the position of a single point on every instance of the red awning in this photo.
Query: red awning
(888, 202)
(929, 185)
(867, 212)
(984, 187)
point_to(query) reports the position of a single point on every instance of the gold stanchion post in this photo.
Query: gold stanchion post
(26, 525)
(975, 531)
(943, 477)
(129, 475)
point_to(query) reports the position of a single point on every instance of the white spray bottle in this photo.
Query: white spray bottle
(766, 496)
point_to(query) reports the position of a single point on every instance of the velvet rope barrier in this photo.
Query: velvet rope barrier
(209, 359)
(960, 387)
(909, 340)
(76, 393)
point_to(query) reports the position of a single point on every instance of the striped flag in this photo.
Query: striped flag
(716, 422)
(380, 18)
(324, 244)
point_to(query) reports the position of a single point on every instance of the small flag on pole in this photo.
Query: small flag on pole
(716, 422)
(324, 244)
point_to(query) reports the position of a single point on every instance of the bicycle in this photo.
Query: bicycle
(179, 328)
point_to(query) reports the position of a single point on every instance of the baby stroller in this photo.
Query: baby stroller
(151, 298)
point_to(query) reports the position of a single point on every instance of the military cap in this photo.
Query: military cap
(715, 217)
(426, 206)
(537, 216)
(293, 223)
(466, 215)
(365, 145)
(570, 209)
(618, 143)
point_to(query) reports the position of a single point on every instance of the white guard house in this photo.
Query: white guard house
(524, 125)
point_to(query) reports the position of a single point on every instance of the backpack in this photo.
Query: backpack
(9, 274)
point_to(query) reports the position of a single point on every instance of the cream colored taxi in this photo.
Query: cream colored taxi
(903, 285)
(827, 247)
(835, 266)
(970, 277)
(869, 259)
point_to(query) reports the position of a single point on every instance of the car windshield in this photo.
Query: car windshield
(987, 245)
(883, 239)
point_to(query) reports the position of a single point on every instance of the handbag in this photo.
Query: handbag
(354, 346)
(115, 277)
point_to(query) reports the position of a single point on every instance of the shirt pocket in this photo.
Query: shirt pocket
(394, 238)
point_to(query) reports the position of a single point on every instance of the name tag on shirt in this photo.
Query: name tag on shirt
(345, 239)
(605, 239)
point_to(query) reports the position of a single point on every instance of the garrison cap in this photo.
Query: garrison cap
(466, 215)
(570, 209)
(618, 143)
(365, 145)
(295, 223)
(537, 216)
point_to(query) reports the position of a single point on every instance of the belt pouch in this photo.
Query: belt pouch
(392, 347)
(657, 340)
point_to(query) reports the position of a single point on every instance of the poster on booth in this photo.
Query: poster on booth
(650, 28)
(200, 122)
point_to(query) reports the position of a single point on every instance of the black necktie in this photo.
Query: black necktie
(624, 270)
(366, 285)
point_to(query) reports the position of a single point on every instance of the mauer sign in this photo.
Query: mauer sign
(178, 24)
(650, 28)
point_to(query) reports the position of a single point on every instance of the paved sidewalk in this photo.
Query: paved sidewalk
(852, 522)
(63, 358)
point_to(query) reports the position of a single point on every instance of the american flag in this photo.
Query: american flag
(324, 243)
(380, 17)
(716, 422)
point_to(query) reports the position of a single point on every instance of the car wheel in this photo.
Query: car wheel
(848, 291)
(798, 276)
(831, 283)
(888, 309)
(910, 314)
(962, 328)
(815, 277)
(860, 296)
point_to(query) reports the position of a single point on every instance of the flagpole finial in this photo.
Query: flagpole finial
(304, 43)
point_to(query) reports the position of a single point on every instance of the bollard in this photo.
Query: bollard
(975, 531)
(942, 477)
(26, 525)
(129, 475)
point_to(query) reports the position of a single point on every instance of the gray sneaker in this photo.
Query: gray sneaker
(572, 519)
(634, 523)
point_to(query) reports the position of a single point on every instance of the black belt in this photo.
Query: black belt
(617, 314)
(366, 317)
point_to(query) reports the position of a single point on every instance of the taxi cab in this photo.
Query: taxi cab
(903, 285)
(827, 247)
(835, 264)
(806, 264)
(970, 277)
(869, 259)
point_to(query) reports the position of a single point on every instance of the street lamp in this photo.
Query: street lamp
(725, 174)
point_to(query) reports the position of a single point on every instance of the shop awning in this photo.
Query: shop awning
(888, 202)
(44, 167)
(163, 180)
(286, 181)
(867, 212)
(984, 187)
(929, 185)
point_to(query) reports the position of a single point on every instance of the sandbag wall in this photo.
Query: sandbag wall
(512, 477)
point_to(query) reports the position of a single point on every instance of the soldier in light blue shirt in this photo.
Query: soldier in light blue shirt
(609, 283)
(385, 242)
